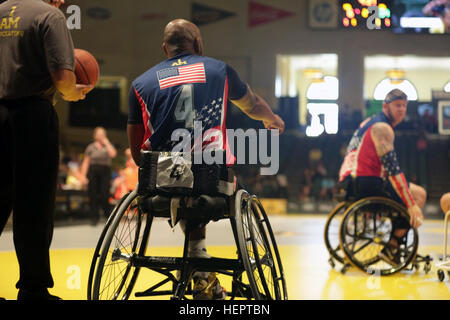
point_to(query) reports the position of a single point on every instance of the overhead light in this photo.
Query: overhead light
(313, 73)
(396, 76)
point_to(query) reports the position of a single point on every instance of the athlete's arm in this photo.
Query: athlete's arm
(135, 138)
(257, 108)
(383, 138)
(250, 103)
(135, 126)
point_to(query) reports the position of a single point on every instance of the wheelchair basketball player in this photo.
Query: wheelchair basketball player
(372, 168)
(189, 87)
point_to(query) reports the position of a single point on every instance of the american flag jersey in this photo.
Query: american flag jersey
(361, 159)
(179, 92)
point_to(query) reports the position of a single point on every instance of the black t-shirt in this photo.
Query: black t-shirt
(34, 41)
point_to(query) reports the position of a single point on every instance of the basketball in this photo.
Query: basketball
(86, 67)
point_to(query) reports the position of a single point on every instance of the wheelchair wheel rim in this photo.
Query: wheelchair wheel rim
(259, 253)
(96, 254)
(331, 232)
(266, 230)
(363, 251)
(112, 277)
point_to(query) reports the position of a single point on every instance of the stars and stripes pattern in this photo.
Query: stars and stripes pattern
(193, 73)
(210, 117)
(397, 178)
(390, 163)
(400, 186)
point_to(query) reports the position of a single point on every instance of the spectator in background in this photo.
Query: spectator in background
(439, 8)
(283, 185)
(130, 172)
(73, 181)
(96, 172)
(118, 187)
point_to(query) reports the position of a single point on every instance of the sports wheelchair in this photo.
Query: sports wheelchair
(175, 189)
(358, 229)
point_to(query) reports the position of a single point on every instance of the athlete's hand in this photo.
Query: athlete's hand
(276, 123)
(416, 216)
(78, 93)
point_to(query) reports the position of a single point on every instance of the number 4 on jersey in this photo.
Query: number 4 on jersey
(184, 108)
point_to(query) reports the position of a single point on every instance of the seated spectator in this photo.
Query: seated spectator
(73, 181)
(131, 172)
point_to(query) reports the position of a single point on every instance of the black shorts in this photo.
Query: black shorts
(377, 187)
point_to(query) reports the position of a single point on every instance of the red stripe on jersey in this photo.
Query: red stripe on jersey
(146, 120)
(224, 113)
(401, 187)
(368, 162)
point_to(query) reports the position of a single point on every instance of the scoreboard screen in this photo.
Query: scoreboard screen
(365, 14)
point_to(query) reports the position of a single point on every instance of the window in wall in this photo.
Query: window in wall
(322, 107)
(326, 88)
(447, 87)
(386, 85)
(329, 112)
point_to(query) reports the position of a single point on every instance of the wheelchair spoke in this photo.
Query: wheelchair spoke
(369, 241)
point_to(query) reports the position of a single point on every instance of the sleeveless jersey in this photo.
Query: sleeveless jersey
(361, 158)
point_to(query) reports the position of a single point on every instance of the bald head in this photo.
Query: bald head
(182, 36)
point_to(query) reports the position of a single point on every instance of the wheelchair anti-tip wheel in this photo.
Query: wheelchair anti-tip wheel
(113, 278)
(331, 234)
(259, 249)
(367, 228)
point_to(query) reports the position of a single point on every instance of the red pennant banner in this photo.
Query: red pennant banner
(260, 14)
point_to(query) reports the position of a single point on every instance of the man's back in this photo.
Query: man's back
(178, 91)
(29, 34)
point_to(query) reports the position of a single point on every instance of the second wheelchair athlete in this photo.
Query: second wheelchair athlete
(371, 162)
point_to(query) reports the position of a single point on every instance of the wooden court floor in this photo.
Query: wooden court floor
(300, 240)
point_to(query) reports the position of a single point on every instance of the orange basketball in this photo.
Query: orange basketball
(86, 67)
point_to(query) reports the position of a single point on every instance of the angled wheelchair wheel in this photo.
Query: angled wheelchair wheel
(258, 249)
(331, 233)
(127, 235)
(99, 245)
(271, 260)
(367, 228)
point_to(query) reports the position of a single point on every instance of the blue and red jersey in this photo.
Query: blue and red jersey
(180, 90)
(361, 158)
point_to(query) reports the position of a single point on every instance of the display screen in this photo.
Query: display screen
(444, 117)
(420, 16)
(365, 14)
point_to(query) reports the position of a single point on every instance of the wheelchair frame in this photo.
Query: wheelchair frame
(349, 259)
(444, 265)
(245, 204)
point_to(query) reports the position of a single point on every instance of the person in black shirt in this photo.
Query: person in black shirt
(37, 60)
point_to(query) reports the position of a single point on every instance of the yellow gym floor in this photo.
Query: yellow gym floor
(300, 240)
